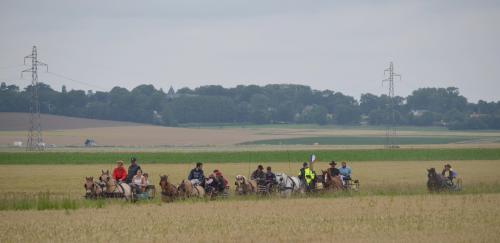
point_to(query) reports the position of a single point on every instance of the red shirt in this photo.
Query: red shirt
(119, 174)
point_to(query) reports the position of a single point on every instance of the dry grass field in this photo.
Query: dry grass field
(420, 218)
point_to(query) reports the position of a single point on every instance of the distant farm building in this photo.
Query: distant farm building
(90, 143)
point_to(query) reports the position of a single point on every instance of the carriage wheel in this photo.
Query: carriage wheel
(458, 184)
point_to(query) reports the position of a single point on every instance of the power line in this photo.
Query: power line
(35, 139)
(10, 67)
(76, 81)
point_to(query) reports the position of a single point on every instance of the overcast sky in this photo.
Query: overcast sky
(342, 46)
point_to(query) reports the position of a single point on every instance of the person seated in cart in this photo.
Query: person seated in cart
(216, 181)
(259, 176)
(196, 176)
(119, 173)
(146, 176)
(449, 173)
(270, 178)
(307, 176)
(139, 182)
(345, 171)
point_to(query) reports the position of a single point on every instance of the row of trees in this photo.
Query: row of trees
(274, 103)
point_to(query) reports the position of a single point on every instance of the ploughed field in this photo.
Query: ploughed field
(42, 200)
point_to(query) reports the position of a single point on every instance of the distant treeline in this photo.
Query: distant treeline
(252, 104)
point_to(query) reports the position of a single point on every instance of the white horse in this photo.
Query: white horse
(288, 184)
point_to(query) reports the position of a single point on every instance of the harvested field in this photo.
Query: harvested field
(15, 121)
(67, 131)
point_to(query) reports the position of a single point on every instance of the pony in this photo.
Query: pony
(168, 190)
(113, 188)
(92, 189)
(288, 184)
(187, 189)
(331, 182)
(244, 186)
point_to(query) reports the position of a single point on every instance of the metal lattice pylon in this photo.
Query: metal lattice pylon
(391, 134)
(35, 139)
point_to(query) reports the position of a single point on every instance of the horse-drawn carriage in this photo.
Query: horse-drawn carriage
(326, 181)
(438, 183)
(107, 187)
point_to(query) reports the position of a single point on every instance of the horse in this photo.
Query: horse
(331, 182)
(115, 189)
(245, 186)
(288, 184)
(187, 189)
(92, 189)
(435, 181)
(168, 190)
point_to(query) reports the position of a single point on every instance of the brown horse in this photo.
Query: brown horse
(114, 189)
(168, 190)
(187, 189)
(331, 182)
(92, 189)
(244, 186)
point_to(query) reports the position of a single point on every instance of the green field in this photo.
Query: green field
(250, 156)
(362, 140)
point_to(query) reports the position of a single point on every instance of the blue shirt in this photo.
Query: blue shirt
(345, 171)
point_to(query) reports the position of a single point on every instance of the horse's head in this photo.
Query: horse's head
(240, 182)
(431, 173)
(105, 176)
(89, 185)
(280, 178)
(163, 181)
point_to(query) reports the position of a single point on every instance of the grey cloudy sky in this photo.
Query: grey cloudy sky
(338, 45)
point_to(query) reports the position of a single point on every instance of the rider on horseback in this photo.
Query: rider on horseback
(306, 175)
(196, 176)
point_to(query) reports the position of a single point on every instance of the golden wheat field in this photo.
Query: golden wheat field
(422, 218)
(393, 206)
